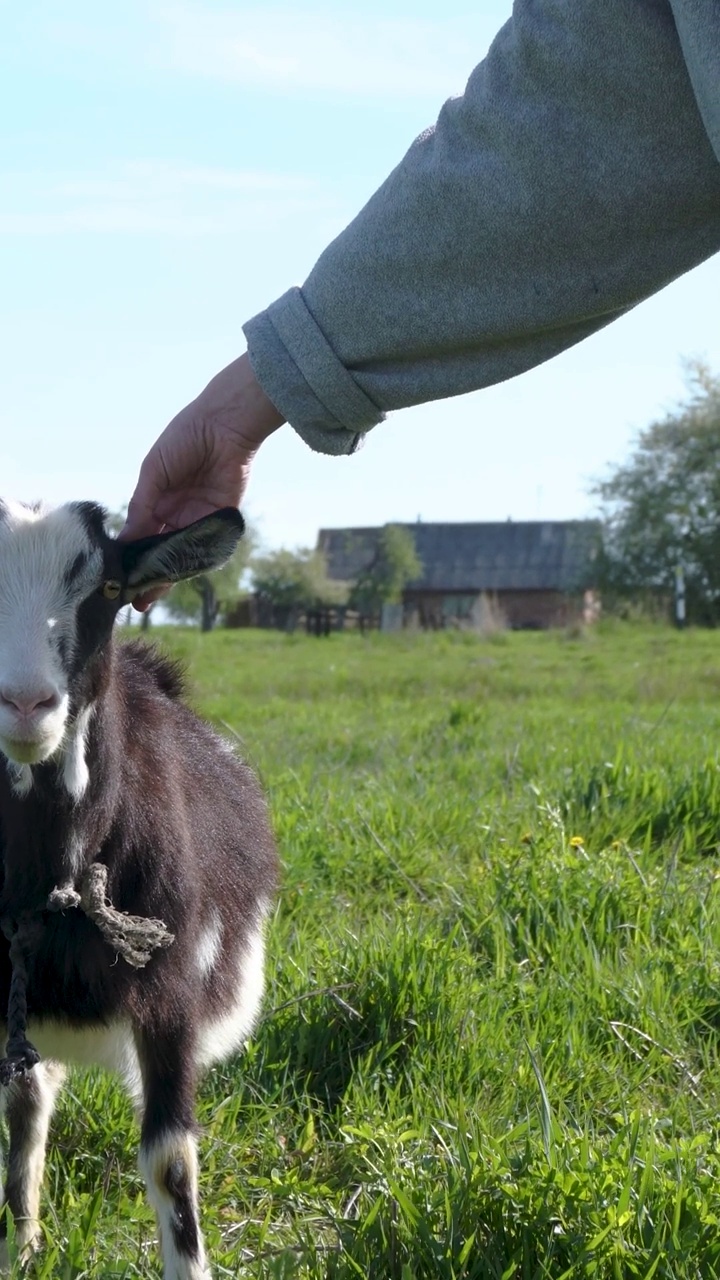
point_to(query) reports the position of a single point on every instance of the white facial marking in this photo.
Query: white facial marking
(48, 565)
(75, 769)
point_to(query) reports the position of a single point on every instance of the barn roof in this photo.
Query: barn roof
(512, 555)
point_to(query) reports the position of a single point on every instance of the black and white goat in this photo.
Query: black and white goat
(106, 769)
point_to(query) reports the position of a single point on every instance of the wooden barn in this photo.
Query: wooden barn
(525, 574)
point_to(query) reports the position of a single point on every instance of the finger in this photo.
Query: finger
(141, 520)
(142, 517)
(142, 603)
(167, 516)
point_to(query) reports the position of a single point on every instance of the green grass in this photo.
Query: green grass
(491, 1032)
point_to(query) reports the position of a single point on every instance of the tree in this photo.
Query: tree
(288, 582)
(394, 563)
(661, 509)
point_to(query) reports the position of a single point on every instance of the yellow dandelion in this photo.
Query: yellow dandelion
(577, 842)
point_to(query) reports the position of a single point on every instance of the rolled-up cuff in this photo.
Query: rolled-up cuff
(299, 371)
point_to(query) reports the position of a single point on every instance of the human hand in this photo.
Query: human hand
(202, 460)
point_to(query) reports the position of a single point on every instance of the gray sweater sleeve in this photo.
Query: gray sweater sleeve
(574, 177)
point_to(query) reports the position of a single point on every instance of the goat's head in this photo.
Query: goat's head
(62, 582)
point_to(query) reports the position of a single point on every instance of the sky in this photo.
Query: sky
(167, 170)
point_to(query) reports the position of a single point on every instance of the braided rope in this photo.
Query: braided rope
(135, 938)
(20, 1054)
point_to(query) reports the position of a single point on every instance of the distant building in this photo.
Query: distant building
(531, 574)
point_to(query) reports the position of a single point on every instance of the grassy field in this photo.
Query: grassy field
(490, 1045)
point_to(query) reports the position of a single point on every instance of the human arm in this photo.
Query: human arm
(573, 178)
(202, 460)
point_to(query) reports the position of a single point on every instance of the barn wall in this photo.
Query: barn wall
(538, 609)
(520, 609)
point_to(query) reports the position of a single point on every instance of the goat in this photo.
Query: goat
(109, 774)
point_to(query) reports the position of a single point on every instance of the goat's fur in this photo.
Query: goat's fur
(105, 762)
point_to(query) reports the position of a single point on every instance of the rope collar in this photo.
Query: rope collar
(135, 938)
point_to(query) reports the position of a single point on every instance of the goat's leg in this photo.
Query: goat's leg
(168, 1150)
(29, 1105)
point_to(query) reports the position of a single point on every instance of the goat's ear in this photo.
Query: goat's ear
(169, 557)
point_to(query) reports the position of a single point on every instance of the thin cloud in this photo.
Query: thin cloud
(289, 51)
(150, 197)
(164, 178)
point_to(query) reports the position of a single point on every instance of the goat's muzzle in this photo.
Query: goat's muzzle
(32, 723)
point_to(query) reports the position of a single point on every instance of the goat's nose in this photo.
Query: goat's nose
(43, 698)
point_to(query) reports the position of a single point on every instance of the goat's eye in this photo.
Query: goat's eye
(111, 589)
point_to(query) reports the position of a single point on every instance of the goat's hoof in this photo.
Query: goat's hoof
(24, 1251)
(27, 1243)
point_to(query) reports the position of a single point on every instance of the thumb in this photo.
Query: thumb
(142, 519)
